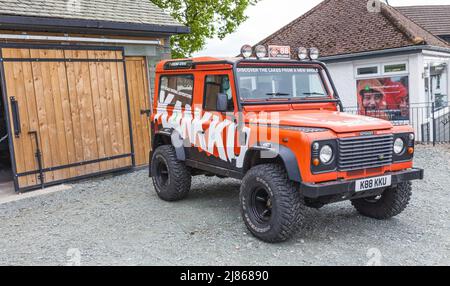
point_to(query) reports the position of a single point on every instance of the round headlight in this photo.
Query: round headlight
(302, 53)
(399, 146)
(411, 137)
(260, 52)
(326, 154)
(314, 53)
(246, 51)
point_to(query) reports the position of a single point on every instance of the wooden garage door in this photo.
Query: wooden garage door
(138, 90)
(68, 113)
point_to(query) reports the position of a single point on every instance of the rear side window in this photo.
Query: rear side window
(215, 84)
(176, 89)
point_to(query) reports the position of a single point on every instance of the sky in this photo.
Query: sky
(268, 16)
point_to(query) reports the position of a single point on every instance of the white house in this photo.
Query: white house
(382, 61)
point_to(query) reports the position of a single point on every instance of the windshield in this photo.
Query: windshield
(271, 83)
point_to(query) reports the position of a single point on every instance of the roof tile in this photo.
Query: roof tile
(347, 26)
(434, 18)
(126, 11)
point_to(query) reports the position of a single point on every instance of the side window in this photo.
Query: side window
(215, 84)
(176, 89)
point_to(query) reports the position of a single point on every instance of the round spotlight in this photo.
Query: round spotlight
(246, 51)
(260, 52)
(314, 53)
(302, 53)
(399, 146)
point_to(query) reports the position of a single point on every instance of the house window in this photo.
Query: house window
(436, 83)
(387, 69)
(395, 68)
(383, 90)
(365, 71)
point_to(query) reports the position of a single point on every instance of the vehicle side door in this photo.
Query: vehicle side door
(215, 142)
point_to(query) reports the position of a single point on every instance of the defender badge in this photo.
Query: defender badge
(367, 133)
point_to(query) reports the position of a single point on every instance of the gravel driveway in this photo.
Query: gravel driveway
(120, 221)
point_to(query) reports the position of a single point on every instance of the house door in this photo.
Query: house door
(68, 113)
(138, 90)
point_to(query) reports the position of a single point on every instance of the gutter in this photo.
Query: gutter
(48, 24)
(382, 53)
(78, 39)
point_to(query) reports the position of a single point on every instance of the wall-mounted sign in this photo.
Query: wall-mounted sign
(386, 98)
(279, 52)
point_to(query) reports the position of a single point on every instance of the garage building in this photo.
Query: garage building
(76, 82)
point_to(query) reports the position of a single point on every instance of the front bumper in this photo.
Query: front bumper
(346, 189)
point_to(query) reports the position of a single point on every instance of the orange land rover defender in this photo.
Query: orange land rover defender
(278, 125)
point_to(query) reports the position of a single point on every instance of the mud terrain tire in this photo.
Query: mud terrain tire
(391, 203)
(171, 178)
(271, 204)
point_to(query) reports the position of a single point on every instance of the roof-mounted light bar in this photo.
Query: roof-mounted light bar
(278, 52)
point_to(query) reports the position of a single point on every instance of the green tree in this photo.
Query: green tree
(207, 19)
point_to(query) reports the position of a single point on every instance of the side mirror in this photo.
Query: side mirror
(222, 102)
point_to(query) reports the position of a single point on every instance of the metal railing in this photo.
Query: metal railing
(431, 123)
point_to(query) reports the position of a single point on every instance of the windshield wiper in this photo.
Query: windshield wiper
(278, 94)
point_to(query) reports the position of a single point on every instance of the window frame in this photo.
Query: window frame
(378, 73)
(381, 69)
(204, 93)
(406, 71)
(176, 75)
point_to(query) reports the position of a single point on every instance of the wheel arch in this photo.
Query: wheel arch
(281, 154)
(172, 137)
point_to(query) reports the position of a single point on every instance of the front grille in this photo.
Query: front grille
(367, 152)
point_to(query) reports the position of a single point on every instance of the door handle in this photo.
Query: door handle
(146, 112)
(38, 156)
(15, 116)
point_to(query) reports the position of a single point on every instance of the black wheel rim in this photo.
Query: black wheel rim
(261, 205)
(162, 173)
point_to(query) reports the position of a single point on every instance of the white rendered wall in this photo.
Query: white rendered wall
(344, 79)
